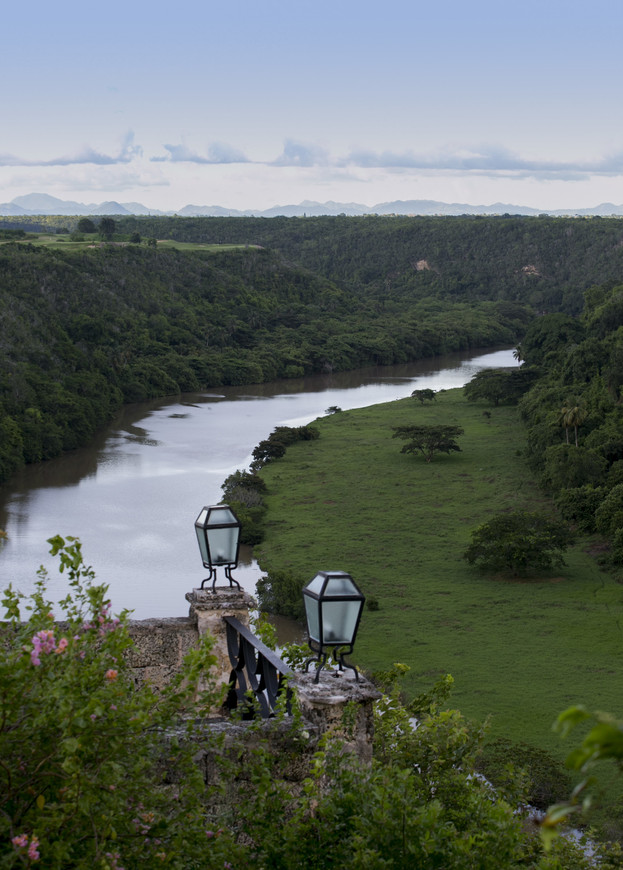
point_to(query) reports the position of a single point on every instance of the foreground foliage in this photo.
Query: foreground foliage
(603, 742)
(83, 778)
(96, 773)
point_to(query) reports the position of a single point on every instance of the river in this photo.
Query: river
(132, 496)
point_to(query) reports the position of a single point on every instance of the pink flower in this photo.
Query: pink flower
(114, 858)
(21, 842)
(43, 642)
(45, 639)
(33, 849)
(62, 645)
(111, 674)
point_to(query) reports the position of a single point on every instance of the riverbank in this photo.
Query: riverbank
(133, 495)
(519, 651)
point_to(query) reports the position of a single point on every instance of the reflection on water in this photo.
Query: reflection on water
(133, 495)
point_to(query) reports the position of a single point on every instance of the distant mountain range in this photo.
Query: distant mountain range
(44, 204)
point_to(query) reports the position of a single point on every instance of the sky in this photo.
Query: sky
(254, 104)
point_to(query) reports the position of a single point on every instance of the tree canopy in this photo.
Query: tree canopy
(519, 543)
(426, 395)
(428, 440)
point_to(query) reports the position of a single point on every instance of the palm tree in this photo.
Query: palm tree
(562, 420)
(572, 415)
(518, 354)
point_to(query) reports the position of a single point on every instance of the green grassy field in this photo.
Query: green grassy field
(66, 243)
(520, 651)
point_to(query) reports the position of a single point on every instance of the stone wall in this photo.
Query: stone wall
(159, 648)
(340, 703)
(161, 644)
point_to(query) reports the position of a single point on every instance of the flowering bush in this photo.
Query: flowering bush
(83, 781)
(97, 773)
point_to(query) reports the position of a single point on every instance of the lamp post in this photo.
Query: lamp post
(333, 605)
(218, 534)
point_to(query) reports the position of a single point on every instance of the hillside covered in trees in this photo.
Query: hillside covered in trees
(84, 331)
(574, 413)
(85, 327)
(545, 262)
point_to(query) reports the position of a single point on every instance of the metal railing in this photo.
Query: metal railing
(256, 669)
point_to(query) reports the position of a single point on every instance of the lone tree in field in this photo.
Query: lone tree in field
(428, 440)
(519, 543)
(424, 395)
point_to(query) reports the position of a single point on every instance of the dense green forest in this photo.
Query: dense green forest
(574, 413)
(87, 323)
(83, 331)
(546, 262)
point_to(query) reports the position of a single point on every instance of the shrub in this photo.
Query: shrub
(568, 466)
(519, 543)
(281, 592)
(274, 447)
(609, 516)
(502, 760)
(578, 505)
(83, 778)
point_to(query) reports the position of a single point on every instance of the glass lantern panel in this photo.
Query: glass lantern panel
(312, 612)
(340, 584)
(220, 515)
(223, 545)
(339, 621)
(315, 585)
(203, 547)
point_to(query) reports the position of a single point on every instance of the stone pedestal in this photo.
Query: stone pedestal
(340, 704)
(208, 608)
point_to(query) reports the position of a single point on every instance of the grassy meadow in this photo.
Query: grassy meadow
(520, 650)
(64, 241)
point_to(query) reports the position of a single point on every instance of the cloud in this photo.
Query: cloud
(127, 153)
(483, 160)
(299, 154)
(218, 153)
(487, 159)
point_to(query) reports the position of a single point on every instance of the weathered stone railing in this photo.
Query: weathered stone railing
(246, 664)
(256, 669)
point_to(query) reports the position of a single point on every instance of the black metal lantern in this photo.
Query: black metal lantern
(218, 534)
(333, 605)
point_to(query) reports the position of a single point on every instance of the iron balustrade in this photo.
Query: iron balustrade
(257, 669)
